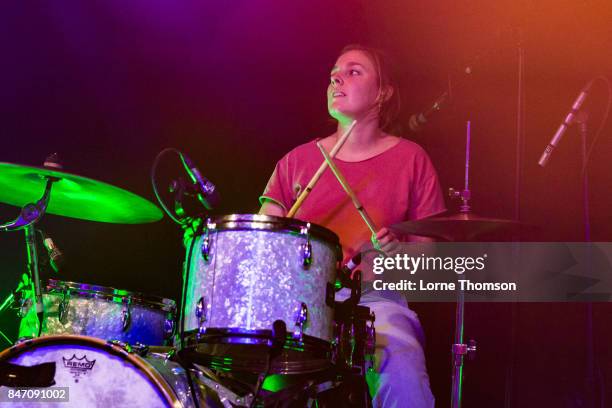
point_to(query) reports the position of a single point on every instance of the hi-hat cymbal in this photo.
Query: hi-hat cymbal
(458, 227)
(74, 196)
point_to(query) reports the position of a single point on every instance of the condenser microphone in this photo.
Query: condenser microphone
(56, 256)
(208, 193)
(566, 123)
(418, 120)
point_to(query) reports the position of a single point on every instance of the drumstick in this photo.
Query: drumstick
(319, 173)
(345, 185)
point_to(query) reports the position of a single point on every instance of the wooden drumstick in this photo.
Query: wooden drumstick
(345, 185)
(319, 173)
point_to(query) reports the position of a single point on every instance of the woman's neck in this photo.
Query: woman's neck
(364, 136)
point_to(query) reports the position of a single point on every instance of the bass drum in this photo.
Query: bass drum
(101, 374)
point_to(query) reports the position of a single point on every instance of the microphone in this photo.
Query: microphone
(56, 256)
(566, 123)
(418, 120)
(208, 195)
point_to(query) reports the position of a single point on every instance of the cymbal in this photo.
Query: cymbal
(457, 227)
(74, 196)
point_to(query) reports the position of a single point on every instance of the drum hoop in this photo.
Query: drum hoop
(272, 223)
(111, 294)
(111, 348)
(237, 335)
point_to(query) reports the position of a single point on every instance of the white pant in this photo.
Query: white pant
(401, 378)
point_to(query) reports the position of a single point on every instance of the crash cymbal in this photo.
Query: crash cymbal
(74, 196)
(457, 227)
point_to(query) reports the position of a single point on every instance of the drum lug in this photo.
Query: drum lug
(122, 345)
(370, 345)
(301, 318)
(126, 315)
(306, 247)
(63, 307)
(206, 241)
(141, 349)
(168, 327)
(200, 312)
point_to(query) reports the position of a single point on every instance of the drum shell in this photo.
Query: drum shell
(98, 311)
(255, 275)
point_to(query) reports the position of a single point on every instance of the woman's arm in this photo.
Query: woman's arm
(269, 207)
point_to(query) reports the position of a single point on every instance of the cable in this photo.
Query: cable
(603, 122)
(153, 182)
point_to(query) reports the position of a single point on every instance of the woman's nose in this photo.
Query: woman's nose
(336, 80)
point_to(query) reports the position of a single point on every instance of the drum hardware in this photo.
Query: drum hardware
(462, 227)
(206, 244)
(126, 315)
(30, 214)
(306, 247)
(226, 396)
(301, 319)
(278, 340)
(169, 327)
(200, 312)
(63, 307)
(18, 300)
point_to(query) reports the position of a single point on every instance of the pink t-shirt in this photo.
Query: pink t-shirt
(396, 185)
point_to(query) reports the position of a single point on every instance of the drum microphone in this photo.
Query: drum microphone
(56, 256)
(347, 270)
(208, 194)
(566, 123)
(418, 120)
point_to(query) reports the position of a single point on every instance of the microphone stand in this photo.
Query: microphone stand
(459, 348)
(30, 215)
(582, 120)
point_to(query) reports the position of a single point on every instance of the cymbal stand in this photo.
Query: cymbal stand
(459, 349)
(465, 194)
(30, 215)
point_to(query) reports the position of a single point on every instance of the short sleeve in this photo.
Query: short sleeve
(426, 197)
(277, 188)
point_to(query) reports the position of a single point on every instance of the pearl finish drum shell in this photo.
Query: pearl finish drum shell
(98, 311)
(255, 275)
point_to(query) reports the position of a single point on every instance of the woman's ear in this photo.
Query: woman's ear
(387, 93)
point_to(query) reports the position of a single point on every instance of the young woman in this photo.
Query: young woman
(394, 180)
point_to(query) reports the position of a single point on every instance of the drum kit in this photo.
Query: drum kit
(258, 323)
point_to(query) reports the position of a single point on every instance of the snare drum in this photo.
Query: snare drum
(107, 313)
(94, 373)
(247, 271)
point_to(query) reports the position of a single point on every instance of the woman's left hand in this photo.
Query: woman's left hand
(387, 239)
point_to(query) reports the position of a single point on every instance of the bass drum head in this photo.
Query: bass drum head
(95, 373)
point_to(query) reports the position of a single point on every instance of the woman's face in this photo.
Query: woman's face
(354, 89)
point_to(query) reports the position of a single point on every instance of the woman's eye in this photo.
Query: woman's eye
(354, 72)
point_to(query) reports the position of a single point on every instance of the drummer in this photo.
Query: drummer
(394, 180)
